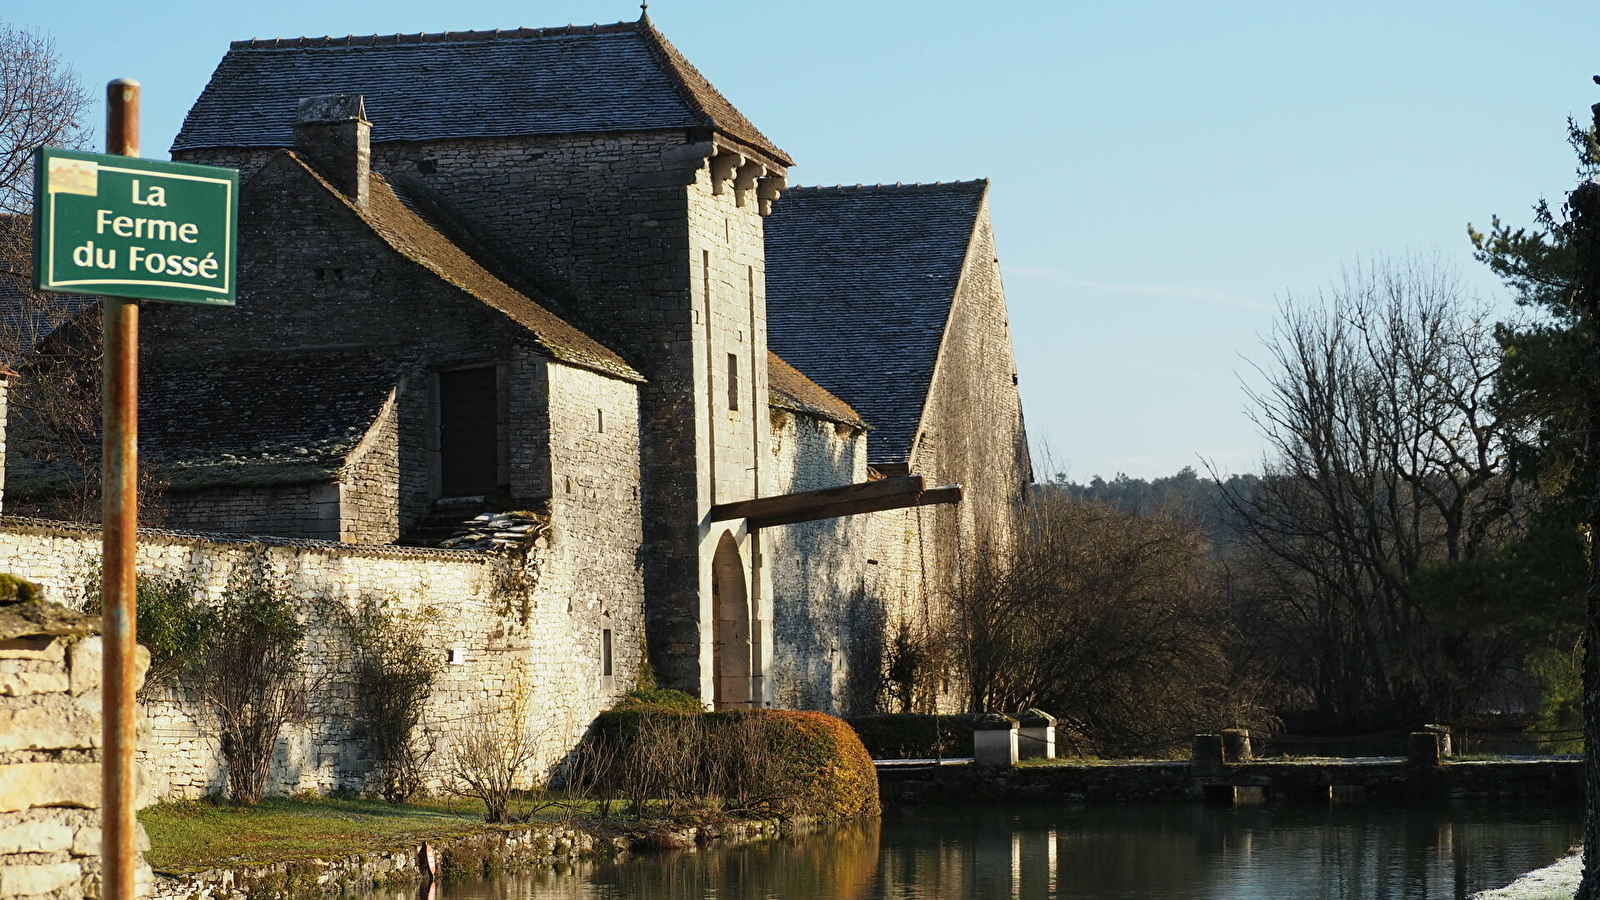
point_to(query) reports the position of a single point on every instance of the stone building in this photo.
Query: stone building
(562, 274)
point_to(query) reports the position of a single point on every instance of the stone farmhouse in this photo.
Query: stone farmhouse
(552, 282)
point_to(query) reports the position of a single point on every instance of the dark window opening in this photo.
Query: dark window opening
(605, 652)
(427, 166)
(600, 421)
(469, 433)
(733, 381)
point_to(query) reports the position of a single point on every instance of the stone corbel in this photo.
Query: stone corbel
(723, 167)
(679, 166)
(769, 189)
(745, 179)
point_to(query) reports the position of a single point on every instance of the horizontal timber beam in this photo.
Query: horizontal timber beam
(849, 500)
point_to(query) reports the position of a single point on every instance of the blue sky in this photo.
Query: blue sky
(1163, 173)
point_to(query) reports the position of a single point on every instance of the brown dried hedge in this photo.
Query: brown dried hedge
(763, 761)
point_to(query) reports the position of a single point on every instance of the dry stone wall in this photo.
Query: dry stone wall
(5, 385)
(301, 510)
(596, 527)
(827, 625)
(50, 703)
(511, 629)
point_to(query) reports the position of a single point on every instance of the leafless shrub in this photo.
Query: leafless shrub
(490, 758)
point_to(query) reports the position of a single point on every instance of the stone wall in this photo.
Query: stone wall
(827, 626)
(972, 430)
(369, 486)
(50, 703)
(971, 434)
(510, 628)
(596, 526)
(297, 510)
(5, 386)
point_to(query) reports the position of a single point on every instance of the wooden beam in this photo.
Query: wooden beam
(948, 494)
(786, 503)
(850, 499)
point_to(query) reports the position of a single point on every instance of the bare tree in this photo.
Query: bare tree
(55, 404)
(1386, 464)
(42, 103)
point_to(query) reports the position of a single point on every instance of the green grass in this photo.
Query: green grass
(186, 837)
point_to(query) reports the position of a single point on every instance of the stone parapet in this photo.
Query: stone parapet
(50, 704)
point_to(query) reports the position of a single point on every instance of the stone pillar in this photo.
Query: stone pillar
(1036, 739)
(1236, 745)
(49, 749)
(1207, 756)
(1423, 749)
(1446, 746)
(994, 740)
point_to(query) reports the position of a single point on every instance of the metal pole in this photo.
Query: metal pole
(119, 524)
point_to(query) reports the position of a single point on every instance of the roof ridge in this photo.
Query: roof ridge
(690, 83)
(899, 185)
(435, 37)
(595, 358)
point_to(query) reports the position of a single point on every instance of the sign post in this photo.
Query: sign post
(112, 224)
(119, 517)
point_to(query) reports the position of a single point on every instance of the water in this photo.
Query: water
(1090, 853)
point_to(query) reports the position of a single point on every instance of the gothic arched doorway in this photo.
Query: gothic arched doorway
(730, 643)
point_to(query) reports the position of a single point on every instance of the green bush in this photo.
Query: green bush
(914, 735)
(14, 589)
(172, 622)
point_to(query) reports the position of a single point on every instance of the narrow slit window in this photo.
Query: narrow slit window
(605, 652)
(600, 421)
(733, 381)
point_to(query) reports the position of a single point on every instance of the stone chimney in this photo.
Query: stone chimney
(333, 134)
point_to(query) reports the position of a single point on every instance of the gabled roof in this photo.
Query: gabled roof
(795, 392)
(401, 227)
(859, 286)
(421, 87)
(259, 420)
(251, 421)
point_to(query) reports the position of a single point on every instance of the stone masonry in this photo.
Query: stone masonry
(508, 627)
(50, 701)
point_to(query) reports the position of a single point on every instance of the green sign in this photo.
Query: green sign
(127, 227)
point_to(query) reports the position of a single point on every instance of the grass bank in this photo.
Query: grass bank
(188, 837)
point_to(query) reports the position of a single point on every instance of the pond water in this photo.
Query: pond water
(1277, 852)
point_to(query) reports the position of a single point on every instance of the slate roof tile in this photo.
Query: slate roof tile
(859, 286)
(259, 420)
(248, 421)
(420, 87)
(793, 391)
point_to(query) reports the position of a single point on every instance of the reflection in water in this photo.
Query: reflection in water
(1082, 853)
